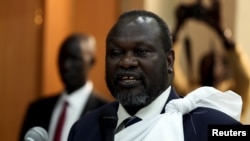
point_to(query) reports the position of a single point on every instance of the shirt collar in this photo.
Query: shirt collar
(76, 98)
(147, 111)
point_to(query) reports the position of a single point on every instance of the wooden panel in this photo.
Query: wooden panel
(96, 17)
(20, 46)
(57, 26)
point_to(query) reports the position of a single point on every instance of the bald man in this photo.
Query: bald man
(139, 71)
(75, 60)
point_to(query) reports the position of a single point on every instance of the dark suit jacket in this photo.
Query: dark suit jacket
(195, 123)
(39, 112)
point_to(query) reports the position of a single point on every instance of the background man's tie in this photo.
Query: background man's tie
(60, 123)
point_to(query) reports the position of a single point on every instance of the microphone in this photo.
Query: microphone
(108, 121)
(36, 134)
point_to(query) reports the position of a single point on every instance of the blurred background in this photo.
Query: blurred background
(32, 31)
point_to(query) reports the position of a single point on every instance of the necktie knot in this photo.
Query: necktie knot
(131, 120)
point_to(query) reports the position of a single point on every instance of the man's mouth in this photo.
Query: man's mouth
(129, 80)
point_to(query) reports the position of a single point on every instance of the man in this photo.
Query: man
(76, 58)
(139, 74)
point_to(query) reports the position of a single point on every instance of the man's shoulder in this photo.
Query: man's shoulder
(94, 115)
(88, 126)
(196, 123)
(44, 100)
(202, 115)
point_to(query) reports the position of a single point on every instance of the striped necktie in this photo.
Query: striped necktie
(131, 120)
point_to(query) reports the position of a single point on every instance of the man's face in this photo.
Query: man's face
(136, 64)
(71, 66)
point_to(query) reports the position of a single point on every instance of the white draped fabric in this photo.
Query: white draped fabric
(168, 126)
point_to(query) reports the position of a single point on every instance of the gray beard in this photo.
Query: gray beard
(137, 100)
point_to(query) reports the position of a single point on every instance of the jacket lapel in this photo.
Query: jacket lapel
(172, 95)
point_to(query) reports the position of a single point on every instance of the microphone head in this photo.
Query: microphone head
(36, 134)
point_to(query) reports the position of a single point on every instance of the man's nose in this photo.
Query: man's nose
(128, 60)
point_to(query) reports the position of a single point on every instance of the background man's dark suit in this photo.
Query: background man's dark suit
(194, 123)
(39, 112)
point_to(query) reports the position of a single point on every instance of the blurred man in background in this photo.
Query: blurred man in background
(57, 113)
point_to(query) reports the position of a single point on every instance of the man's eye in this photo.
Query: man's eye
(116, 52)
(142, 52)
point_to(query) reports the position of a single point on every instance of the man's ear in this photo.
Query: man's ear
(170, 60)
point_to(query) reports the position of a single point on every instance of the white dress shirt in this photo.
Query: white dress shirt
(145, 113)
(169, 125)
(76, 103)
